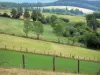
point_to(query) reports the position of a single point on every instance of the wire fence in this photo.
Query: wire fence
(54, 56)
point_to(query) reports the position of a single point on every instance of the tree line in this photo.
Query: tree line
(64, 11)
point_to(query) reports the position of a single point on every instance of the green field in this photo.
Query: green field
(14, 59)
(13, 26)
(42, 46)
(71, 18)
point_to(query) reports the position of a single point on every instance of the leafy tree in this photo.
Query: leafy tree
(5, 15)
(97, 13)
(38, 28)
(91, 21)
(27, 26)
(58, 28)
(14, 13)
(36, 15)
(19, 12)
(26, 13)
(48, 19)
(53, 18)
(73, 39)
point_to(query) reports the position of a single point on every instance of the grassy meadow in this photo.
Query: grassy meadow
(71, 18)
(14, 26)
(41, 46)
(14, 59)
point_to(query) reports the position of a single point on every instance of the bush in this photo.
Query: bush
(91, 40)
(65, 20)
(5, 15)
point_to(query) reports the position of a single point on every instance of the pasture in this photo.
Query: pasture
(42, 46)
(13, 26)
(14, 59)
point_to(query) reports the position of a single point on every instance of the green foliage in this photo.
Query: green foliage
(63, 11)
(14, 13)
(5, 15)
(58, 28)
(34, 15)
(91, 21)
(26, 13)
(37, 15)
(53, 18)
(38, 28)
(97, 13)
(27, 26)
(19, 12)
(93, 40)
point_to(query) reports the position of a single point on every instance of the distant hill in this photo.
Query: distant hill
(84, 10)
(89, 4)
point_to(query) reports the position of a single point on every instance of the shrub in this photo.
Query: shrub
(5, 15)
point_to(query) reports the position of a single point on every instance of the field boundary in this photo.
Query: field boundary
(54, 56)
(49, 54)
(23, 36)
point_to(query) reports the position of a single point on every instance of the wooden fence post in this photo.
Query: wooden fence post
(78, 66)
(21, 49)
(44, 52)
(54, 63)
(26, 49)
(60, 54)
(5, 47)
(48, 52)
(23, 58)
(13, 47)
(34, 51)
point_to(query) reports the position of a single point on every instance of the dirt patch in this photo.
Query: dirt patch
(15, 71)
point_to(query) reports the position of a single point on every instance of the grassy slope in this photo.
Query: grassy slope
(14, 59)
(71, 18)
(98, 30)
(42, 46)
(16, 26)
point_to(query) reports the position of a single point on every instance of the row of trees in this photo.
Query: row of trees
(35, 15)
(64, 11)
(36, 27)
(16, 13)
